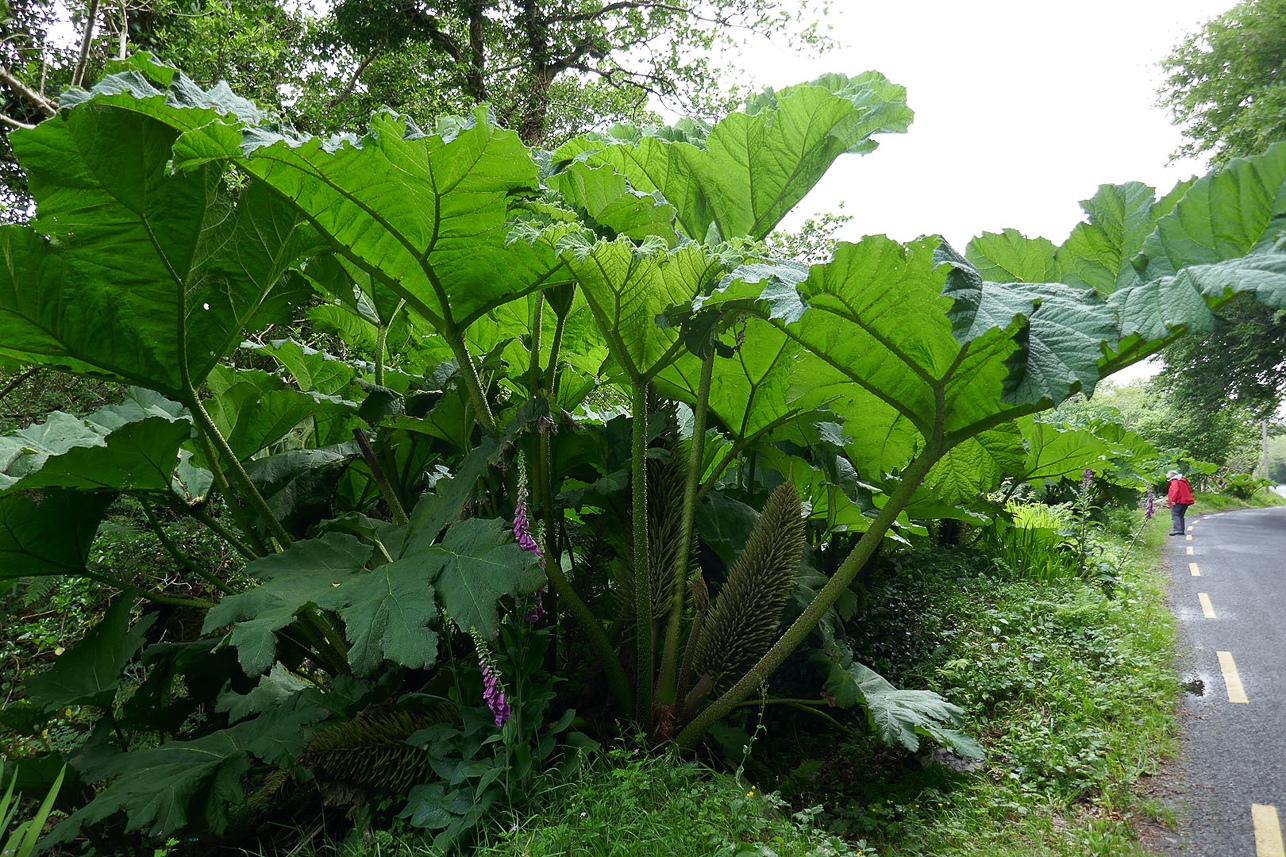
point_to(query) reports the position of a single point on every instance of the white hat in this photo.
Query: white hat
(1174, 474)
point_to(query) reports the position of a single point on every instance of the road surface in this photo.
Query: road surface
(1229, 595)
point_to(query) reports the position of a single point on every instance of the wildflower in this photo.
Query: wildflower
(1149, 505)
(493, 692)
(537, 607)
(522, 527)
(1087, 478)
(525, 539)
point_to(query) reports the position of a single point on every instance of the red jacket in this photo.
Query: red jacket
(1180, 492)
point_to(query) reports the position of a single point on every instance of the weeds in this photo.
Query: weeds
(627, 804)
(1070, 690)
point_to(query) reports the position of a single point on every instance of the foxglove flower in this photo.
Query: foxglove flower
(1149, 505)
(1087, 479)
(537, 611)
(524, 537)
(522, 526)
(493, 691)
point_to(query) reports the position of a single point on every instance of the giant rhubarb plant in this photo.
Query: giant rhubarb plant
(889, 382)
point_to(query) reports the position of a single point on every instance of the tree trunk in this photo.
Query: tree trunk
(88, 39)
(476, 81)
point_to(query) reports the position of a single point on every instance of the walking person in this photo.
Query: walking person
(1180, 498)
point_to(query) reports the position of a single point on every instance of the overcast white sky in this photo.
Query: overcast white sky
(1023, 107)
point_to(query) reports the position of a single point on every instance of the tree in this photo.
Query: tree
(549, 69)
(1227, 435)
(1225, 83)
(541, 62)
(1241, 361)
(1225, 87)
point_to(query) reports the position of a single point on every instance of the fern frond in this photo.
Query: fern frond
(744, 618)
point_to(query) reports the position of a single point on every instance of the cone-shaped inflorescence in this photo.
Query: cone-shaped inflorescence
(665, 480)
(744, 618)
(372, 750)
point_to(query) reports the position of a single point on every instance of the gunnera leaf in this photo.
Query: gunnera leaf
(744, 618)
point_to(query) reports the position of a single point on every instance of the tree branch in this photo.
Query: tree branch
(14, 123)
(352, 81)
(13, 384)
(11, 80)
(608, 9)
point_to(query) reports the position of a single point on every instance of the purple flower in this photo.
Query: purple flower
(537, 611)
(524, 537)
(1087, 478)
(1149, 505)
(522, 527)
(493, 692)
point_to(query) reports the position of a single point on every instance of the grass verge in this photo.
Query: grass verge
(1072, 693)
(1226, 502)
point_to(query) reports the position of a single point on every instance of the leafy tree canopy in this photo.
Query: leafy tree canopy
(1224, 83)
(549, 69)
(1226, 89)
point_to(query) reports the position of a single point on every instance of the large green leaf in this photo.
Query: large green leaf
(389, 612)
(903, 344)
(131, 446)
(254, 410)
(426, 214)
(472, 568)
(191, 784)
(977, 465)
(298, 484)
(629, 288)
(1158, 309)
(753, 167)
(1061, 332)
(314, 571)
(310, 369)
(49, 532)
(1098, 252)
(1011, 257)
(1053, 452)
(89, 672)
(604, 198)
(898, 717)
(131, 270)
(750, 391)
(1239, 210)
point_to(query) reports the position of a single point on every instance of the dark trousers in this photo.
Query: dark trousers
(1177, 511)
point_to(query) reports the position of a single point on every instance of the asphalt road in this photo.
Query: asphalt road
(1229, 595)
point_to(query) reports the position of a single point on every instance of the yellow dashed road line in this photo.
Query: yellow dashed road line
(1207, 609)
(1189, 551)
(1188, 537)
(1236, 693)
(1192, 567)
(1268, 831)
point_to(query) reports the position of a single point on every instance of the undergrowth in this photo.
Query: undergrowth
(1071, 692)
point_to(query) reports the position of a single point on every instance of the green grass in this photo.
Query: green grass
(627, 803)
(624, 804)
(1225, 502)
